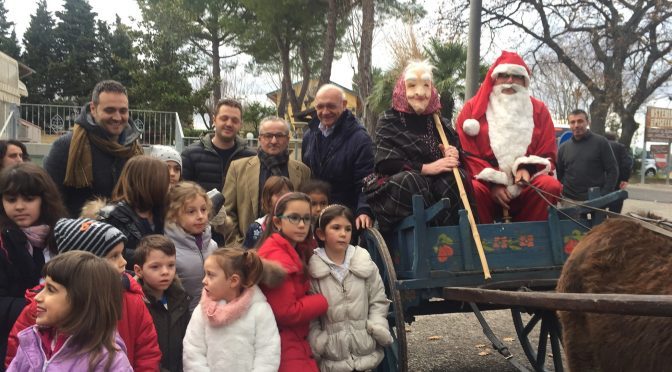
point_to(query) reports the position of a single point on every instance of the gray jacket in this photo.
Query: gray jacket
(190, 259)
(352, 334)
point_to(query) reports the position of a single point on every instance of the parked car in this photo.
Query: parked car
(649, 168)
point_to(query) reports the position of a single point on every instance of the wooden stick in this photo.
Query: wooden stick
(505, 215)
(465, 202)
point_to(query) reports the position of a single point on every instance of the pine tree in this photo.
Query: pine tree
(116, 52)
(76, 42)
(8, 42)
(40, 55)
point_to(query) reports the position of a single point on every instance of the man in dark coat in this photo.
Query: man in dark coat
(207, 161)
(338, 150)
(86, 162)
(624, 161)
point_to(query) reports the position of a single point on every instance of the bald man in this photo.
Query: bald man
(338, 150)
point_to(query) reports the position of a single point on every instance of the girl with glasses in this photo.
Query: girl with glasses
(284, 241)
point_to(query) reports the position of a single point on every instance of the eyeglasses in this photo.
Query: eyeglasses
(294, 219)
(270, 136)
(505, 76)
(328, 106)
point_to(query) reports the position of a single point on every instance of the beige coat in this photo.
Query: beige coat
(352, 334)
(241, 191)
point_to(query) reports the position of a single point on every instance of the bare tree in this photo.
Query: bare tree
(630, 42)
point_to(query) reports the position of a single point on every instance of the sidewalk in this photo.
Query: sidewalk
(661, 209)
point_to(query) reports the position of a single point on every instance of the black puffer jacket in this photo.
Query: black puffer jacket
(202, 164)
(106, 167)
(124, 218)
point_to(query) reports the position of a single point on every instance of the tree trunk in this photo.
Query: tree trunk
(329, 44)
(216, 69)
(628, 128)
(287, 90)
(599, 109)
(364, 64)
(305, 75)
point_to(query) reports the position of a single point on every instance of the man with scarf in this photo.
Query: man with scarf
(87, 161)
(509, 139)
(409, 158)
(339, 151)
(246, 177)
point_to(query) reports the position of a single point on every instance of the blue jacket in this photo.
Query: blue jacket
(343, 160)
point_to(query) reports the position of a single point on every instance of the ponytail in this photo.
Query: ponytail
(249, 266)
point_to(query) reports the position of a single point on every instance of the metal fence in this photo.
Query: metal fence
(155, 127)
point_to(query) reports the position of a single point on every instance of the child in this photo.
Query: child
(78, 310)
(351, 335)
(318, 191)
(233, 328)
(282, 242)
(187, 226)
(138, 201)
(31, 205)
(172, 158)
(166, 299)
(135, 326)
(275, 187)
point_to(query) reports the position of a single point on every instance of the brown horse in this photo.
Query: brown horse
(618, 256)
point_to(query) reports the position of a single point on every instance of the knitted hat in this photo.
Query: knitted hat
(166, 153)
(85, 234)
(507, 62)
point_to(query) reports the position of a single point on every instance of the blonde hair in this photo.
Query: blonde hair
(180, 194)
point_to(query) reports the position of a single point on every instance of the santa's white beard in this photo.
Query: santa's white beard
(510, 125)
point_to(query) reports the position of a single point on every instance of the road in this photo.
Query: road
(659, 193)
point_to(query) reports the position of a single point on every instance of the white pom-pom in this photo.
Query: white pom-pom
(471, 127)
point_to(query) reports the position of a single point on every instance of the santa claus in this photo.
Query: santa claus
(508, 137)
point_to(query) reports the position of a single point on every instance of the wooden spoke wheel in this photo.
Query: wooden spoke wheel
(549, 333)
(396, 355)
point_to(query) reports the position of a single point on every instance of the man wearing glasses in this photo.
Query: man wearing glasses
(509, 142)
(246, 177)
(339, 151)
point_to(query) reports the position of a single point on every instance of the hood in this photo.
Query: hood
(130, 284)
(85, 120)
(361, 264)
(277, 248)
(183, 239)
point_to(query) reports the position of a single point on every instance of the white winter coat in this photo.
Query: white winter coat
(354, 330)
(240, 336)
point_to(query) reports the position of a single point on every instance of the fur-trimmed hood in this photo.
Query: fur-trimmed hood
(361, 265)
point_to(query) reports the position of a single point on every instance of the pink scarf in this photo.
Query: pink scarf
(400, 102)
(224, 314)
(36, 236)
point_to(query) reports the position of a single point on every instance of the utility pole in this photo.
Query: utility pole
(473, 49)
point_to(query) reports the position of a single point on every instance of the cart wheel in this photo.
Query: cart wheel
(396, 355)
(549, 329)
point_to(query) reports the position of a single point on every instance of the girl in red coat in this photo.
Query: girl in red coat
(283, 242)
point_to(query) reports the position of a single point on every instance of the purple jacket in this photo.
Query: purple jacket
(30, 356)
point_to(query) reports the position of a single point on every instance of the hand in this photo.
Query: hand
(522, 177)
(363, 221)
(450, 152)
(439, 166)
(500, 195)
(623, 185)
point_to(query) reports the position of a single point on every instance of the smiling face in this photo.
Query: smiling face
(193, 217)
(23, 210)
(157, 272)
(329, 105)
(111, 113)
(53, 305)
(418, 84)
(227, 123)
(217, 284)
(578, 124)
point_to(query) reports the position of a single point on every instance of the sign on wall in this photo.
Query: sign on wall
(658, 124)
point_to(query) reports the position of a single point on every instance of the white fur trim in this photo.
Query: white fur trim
(494, 176)
(471, 127)
(533, 159)
(514, 190)
(510, 69)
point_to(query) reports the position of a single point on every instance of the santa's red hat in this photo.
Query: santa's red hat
(507, 62)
